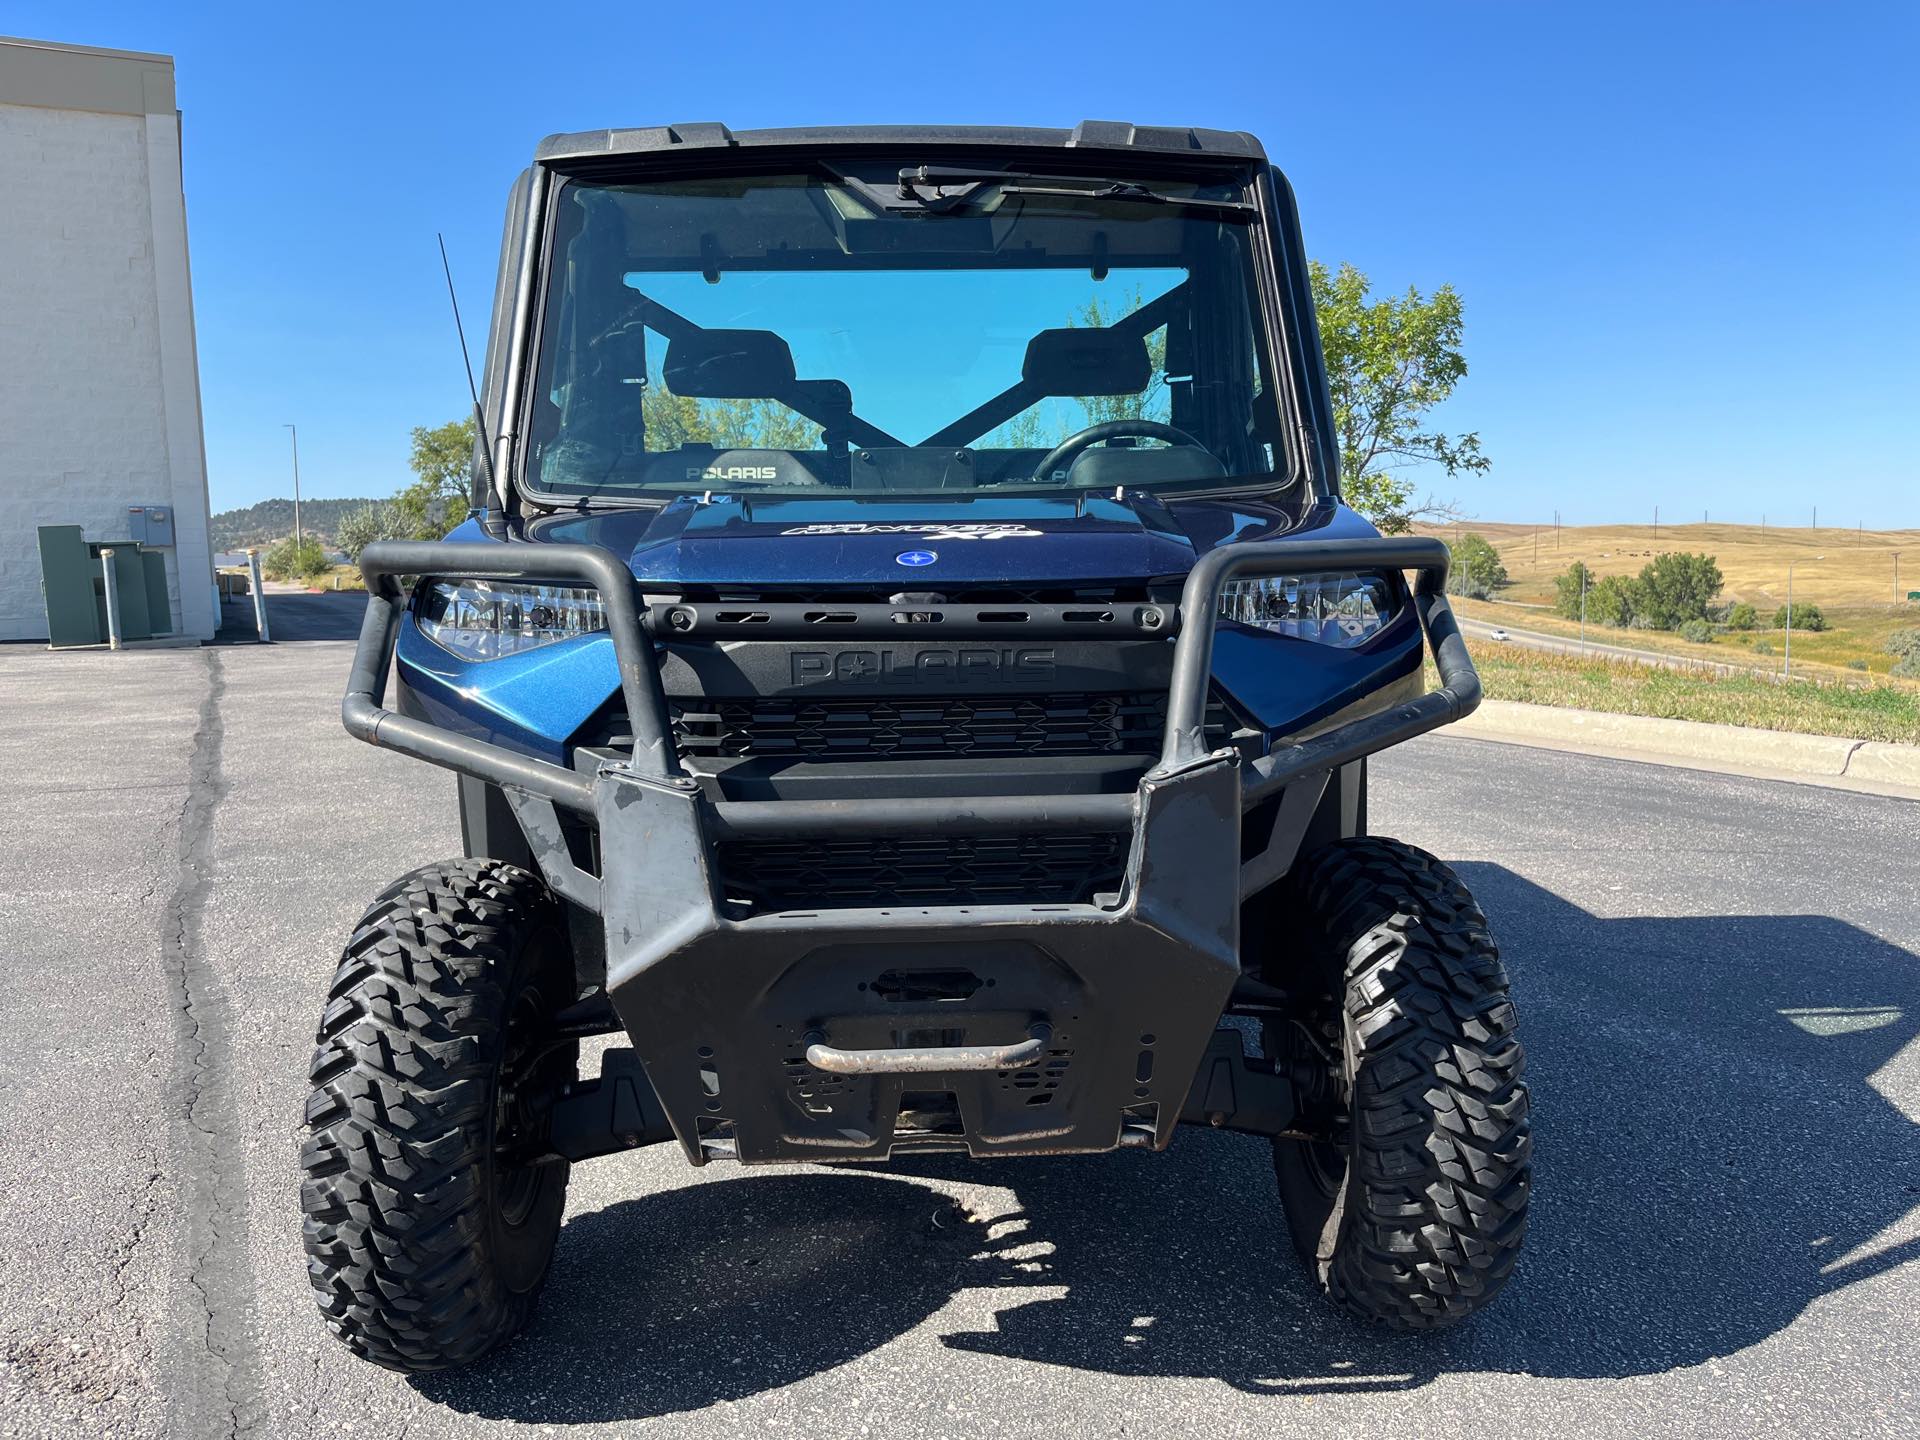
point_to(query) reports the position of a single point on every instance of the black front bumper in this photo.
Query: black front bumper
(849, 1033)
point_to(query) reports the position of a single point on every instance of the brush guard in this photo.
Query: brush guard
(849, 1033)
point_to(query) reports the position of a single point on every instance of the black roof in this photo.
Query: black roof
(1105, 135)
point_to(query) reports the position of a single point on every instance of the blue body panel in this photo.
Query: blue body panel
(536, 702)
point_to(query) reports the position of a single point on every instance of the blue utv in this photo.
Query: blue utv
(910, 675)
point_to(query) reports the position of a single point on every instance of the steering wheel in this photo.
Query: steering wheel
(1069, 450)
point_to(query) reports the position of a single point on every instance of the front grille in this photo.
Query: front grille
(1037, 869)
(893, 727)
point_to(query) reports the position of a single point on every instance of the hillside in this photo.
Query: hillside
(1830, 566)
(271, 520)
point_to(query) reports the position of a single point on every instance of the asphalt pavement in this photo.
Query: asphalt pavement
(1719, 993)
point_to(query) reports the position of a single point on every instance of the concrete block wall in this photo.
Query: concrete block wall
(99, 386)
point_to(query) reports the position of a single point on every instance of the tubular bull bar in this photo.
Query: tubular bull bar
(847, 1033)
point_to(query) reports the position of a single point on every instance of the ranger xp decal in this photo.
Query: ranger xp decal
(986, 530)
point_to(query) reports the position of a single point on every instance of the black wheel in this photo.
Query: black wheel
(427, 1237)
(1411, 1211)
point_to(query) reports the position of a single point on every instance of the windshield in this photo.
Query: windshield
(969, 331)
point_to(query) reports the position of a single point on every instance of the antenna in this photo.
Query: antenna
(479, 417)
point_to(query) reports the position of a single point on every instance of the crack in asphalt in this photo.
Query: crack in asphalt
(219, 1384)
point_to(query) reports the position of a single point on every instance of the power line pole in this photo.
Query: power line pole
(1789, 670)
(296, 485)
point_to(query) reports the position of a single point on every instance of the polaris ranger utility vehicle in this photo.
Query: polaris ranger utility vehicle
(911, 675)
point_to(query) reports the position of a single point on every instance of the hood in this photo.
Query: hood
(925, 543)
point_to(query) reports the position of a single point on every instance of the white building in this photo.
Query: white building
(99, 379)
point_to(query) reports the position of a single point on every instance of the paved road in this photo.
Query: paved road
(1720, 994)
(1561, 645)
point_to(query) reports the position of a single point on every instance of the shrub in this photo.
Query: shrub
(291, 561)
(1743, 617)
(1904, 642)
(1806, 616)
(1698, 631)
(1763, 647)
(360, 528)
(1856, 664)
(1908, 666)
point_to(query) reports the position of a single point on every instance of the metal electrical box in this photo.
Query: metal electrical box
(68, 575)
(71, 580)
(150, 525)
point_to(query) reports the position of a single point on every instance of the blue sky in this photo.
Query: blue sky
(1688, 236)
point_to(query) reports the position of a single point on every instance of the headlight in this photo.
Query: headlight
(486, 619)
(1343, 610)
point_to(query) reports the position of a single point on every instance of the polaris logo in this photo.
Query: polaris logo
(734, 472)
(983, 664)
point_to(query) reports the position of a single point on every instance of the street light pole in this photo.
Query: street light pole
(1583, 610)
(297, 539)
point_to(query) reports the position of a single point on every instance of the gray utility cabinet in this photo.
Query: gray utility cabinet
(75, 589)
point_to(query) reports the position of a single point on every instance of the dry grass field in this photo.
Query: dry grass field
(1809, 707)
(1831, 567)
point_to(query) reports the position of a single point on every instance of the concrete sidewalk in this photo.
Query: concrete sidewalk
(1866, 765)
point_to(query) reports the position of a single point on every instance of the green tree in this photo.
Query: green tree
(1477, 567)
(1568, 588)
(1743, 617)
(674, 420)
(758, 425)
(1676, 588)
(1614, 601)
(1390, 361)
(1806, 616)
(441, 460)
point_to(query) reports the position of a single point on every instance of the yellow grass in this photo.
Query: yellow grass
(1831, 567)
(1861, 712)
(1856, 633)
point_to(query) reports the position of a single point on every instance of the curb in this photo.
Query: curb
(1767, 754)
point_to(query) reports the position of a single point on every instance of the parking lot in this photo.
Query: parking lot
(1719, 990)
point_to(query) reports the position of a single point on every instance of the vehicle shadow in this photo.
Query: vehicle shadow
(717, 1291)
(1712, 1158)
(295, 615)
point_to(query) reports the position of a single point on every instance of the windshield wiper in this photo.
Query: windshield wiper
(913, 180)
(1020, 182)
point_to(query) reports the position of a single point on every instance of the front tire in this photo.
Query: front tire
(1411, 1213)
(426, 1242)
